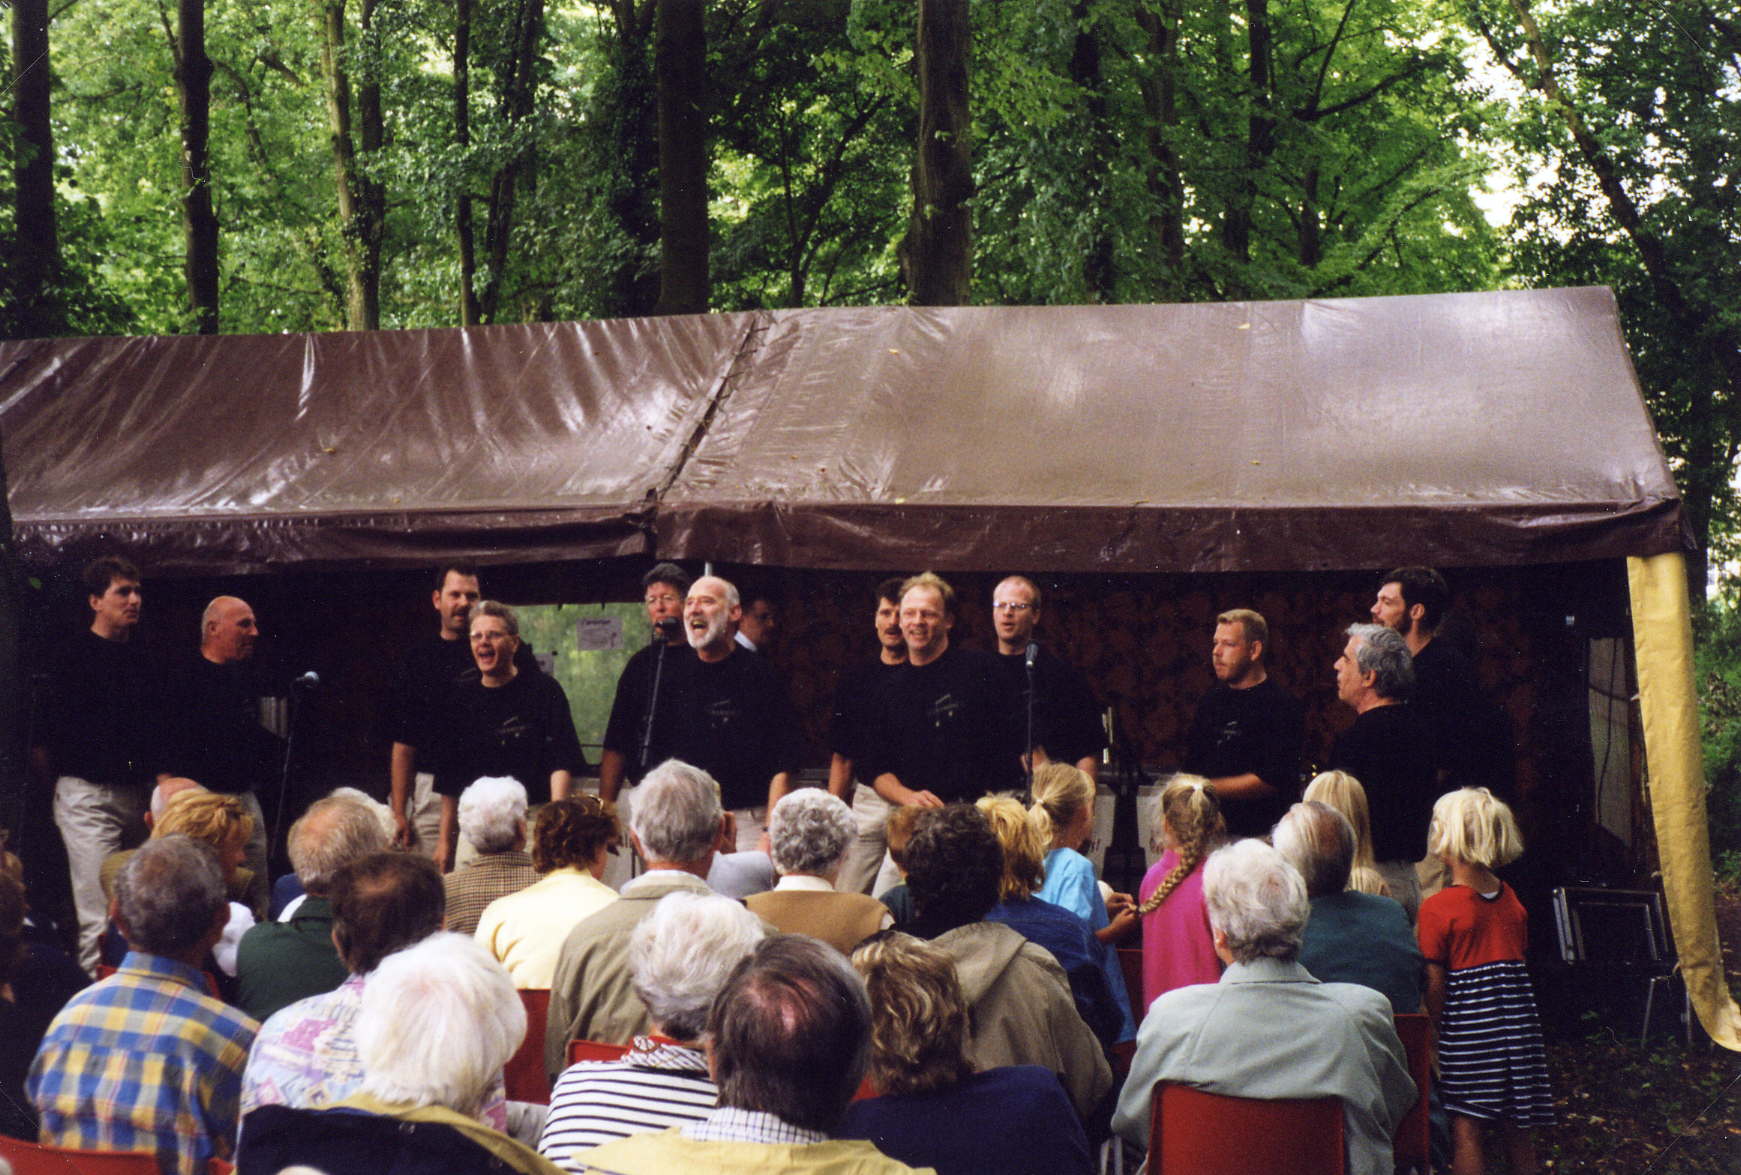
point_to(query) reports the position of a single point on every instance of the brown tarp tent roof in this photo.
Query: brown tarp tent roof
(1465, 428)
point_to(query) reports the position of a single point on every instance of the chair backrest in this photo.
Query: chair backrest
(1411, 1139)
(30, 1158)
(594, 1050)
(524, 1073)
(1130, 962)
(1193, 1132)
(1613, 928)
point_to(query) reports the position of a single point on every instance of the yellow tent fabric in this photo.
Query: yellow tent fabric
(1662, 633)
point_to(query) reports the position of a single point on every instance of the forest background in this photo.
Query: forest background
(304, 165)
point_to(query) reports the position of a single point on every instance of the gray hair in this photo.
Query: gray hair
(681, 954)
(169, 894)
(500, 611)
(1257, 900)
(1384, 654)
(810, 830)
(728, 590)
(333, 832)
(438, 1021)
(676, 813)
(1317, 840)
(491, 810)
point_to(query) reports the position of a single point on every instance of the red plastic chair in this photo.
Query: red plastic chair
(595, 1050)
(1411, 1140)
(1192, 1132)
(30, 1158)
(524, 1073)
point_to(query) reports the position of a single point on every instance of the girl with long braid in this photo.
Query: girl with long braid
(1178, 949)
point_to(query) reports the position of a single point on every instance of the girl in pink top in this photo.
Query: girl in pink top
(1177, 947)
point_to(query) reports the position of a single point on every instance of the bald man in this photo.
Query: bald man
(721, 708)
(214, 735)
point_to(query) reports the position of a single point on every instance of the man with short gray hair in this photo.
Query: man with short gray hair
(1352, 937)
(145, 1060)
(1389, 749)
(279, 963)
(492, 819)
(677, 827)
(1340, 1040)
(789, 1038)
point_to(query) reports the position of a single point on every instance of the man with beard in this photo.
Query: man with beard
(855, 699)
(505, 722)
(1066, 717)
(1472, 742)
(428, 670)
(736, 720)
(1245, 737)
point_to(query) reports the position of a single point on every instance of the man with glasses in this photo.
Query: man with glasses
(1057, 711)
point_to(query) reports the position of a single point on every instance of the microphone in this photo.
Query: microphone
(668, 627)
(309, 680)
(1032, 652)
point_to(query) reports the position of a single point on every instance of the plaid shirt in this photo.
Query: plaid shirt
(730, 1124)
(144, 1060)
(482, 880)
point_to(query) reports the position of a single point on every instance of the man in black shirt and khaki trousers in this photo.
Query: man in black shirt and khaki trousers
(96, 740)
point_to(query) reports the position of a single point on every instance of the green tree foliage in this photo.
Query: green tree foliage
(1626, 136)
(1717, 669)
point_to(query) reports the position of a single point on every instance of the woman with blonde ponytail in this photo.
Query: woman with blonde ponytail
(1063, 820)
(1178, 949)
(1343, 792)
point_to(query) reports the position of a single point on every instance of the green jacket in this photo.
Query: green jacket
(279, 963)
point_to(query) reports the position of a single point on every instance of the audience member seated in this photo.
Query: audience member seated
(223, 823)
(161, 797)
(809, 832)
(1019, 997)
(897, 833)
(679, 957)
(1063, 816)
(492, 820)
(1344, 793)
(306, 1055)
(145, 1060)
(934, 1110)
(36, 980)
(677, 826)
(1058, 930)
(437, 1022)
(572, 838)
(279, 963)
(790, 1036)
(1178, 949)
(738, 875)
(1351, 937)
(1268, 1029)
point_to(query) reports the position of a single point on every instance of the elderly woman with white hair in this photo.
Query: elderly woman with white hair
(492, 819)
(809, 832)
(437, 1023)
(1340, 1040)
(679, 956)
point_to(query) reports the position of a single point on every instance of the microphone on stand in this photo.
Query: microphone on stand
(309, 680)
(1029, 655)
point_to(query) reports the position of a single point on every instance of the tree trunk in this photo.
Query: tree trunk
(937, 252)
(1166, 186)
(371, 193)
(679, 82)
(516, 108)
(1098, 273)
(1259, 138)
(462, 137)
(35, 259)
(193, 84)
(359, 200)
(635, 283)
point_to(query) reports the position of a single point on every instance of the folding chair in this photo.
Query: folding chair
(1193, 1132)
(524, 1074)
(1412, 1138)
(595, 1050)
(31, 1158)
(1622, 933)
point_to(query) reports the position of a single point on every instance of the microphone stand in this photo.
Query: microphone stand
(1033, 652)
(652, 700)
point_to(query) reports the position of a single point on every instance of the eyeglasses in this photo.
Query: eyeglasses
(1010, 606)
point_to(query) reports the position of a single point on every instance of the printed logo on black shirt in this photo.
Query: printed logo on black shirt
(943, 710)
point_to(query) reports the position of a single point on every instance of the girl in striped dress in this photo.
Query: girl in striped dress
(1473, 933)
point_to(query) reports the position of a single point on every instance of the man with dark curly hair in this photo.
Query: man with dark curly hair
(1023, 1012)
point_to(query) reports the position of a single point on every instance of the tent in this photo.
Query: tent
(1282, 436)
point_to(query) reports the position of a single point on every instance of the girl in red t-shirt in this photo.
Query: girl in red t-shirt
(1473, 933)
